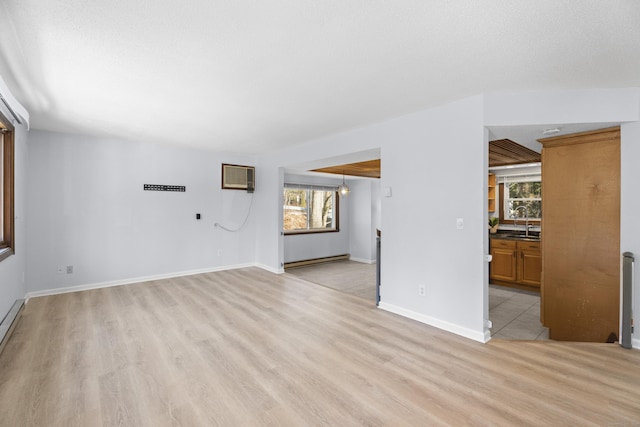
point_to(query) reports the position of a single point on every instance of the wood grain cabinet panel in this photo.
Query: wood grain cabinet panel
(515, 263)
(530, 263)
(581, 235)
(503, 261)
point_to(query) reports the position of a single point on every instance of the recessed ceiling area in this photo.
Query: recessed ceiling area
(504, 152)
(528, 135)
(367, 169)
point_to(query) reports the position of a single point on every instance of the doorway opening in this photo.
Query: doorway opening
(515, 200)
(349, 189)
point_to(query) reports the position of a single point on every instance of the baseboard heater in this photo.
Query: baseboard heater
(302, 263)
(9, 322)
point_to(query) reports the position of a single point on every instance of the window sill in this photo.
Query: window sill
(295, 233)
(5, 253)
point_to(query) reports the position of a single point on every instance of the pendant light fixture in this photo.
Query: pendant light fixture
(343, 189)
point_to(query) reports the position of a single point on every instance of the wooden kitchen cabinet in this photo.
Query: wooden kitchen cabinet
(491, 191)
(503, 260)
(530, 263)
(581, 234)
(515, 263)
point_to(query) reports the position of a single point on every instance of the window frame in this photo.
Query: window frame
(502, 203)
(336, 209)
(7, 244)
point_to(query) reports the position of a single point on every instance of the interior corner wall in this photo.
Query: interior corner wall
(13, 269)
(421, 244)
(87, 209)
(298, 247)
(630, 206)
(361, 219)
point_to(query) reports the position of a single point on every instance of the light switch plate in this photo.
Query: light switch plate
(459, 223)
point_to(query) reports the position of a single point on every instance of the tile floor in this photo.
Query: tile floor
(515, 314)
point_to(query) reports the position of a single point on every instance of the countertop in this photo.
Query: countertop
(516, 235)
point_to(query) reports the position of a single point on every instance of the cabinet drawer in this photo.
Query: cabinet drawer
(529, 246)
(508, 244)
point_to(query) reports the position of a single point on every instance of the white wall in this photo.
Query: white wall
(87, 208)
(13, 268)
(363, 219)
(630, 209)
(299, 247)
(421, 244)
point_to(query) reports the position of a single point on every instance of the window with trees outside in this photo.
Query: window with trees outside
(526, 194)
(310, 209)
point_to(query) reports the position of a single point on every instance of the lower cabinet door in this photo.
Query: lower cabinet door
(503, 264)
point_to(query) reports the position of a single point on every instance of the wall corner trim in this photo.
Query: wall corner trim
(437, 323)
(269, 269)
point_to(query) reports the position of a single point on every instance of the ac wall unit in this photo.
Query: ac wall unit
(237, 177)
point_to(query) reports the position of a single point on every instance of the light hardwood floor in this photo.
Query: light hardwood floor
(352, 277)
(247, 347)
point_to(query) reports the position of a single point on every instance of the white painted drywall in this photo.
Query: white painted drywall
(630, 208)
(13, 269)
(362, 221)
(376, 213)
(299, 247)
(87, 208)
(421, 244)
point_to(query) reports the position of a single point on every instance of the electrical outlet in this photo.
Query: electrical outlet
(69, 269)
(60, 270)
(422, 291)
(459, 223)
(219, 252)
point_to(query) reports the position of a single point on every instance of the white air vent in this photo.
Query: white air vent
(236, 177)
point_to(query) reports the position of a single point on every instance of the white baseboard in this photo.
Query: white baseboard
(438, 323)
(130, 281)
(269, 269)
(635, 343)
(362, 260)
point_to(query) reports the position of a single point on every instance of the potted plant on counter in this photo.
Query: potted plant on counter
(493, 224)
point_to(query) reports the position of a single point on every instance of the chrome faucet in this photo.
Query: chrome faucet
(526, 219)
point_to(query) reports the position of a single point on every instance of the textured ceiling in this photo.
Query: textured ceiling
(251, 76)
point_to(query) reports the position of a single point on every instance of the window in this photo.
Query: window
(520, 196)
(6, 190)
(310, 209)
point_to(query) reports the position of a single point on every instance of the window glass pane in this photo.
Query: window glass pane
(295, 209)
(525, 190)
(534, 208)
(524, 196)
(308, 209)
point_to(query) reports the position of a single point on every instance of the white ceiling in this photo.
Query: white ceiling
(251, 76)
